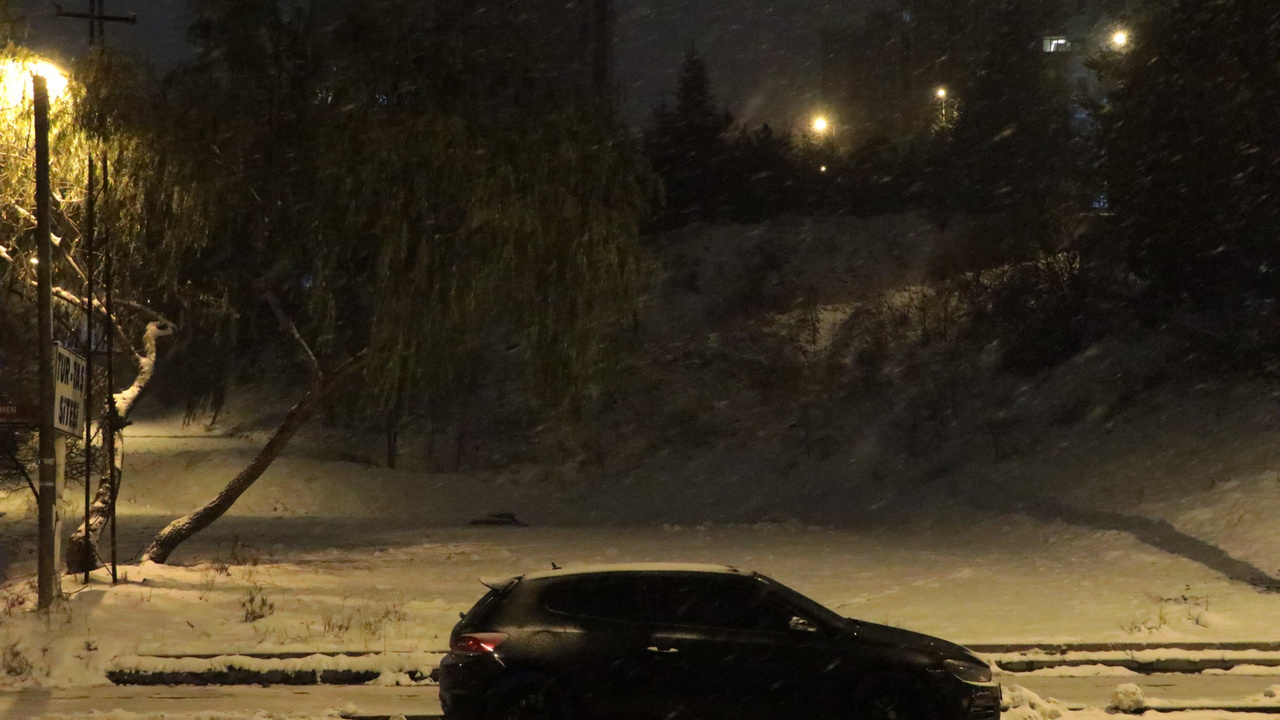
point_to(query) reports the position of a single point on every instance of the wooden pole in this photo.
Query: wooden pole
(47, 570)
(90, 220)
(112, 418)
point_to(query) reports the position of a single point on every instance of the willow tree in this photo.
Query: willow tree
(134, 325)
(389, 233)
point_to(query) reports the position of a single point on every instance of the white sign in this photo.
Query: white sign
(69, 379)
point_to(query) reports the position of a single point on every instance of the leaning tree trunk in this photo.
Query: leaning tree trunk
(82, 549)
(178, 531)
(183, 528)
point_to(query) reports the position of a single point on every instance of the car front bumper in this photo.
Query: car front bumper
(983, 702)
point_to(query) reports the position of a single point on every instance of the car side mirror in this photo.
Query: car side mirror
(799, 624)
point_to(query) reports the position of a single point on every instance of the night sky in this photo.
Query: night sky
(763, 54)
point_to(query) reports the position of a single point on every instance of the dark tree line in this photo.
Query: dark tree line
(714, 168)
(1192, 142)
(1161, 188)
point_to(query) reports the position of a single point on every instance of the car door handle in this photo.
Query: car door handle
(663, 651)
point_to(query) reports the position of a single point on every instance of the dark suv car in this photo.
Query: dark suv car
(694, 641)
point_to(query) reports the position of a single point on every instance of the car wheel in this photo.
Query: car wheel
(893, 697)
(534, 702)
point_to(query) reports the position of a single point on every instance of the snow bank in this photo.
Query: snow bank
(1023, 704)
(1095, 670)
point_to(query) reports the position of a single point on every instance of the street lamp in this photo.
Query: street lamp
(941, 94)
(16, 83)
(821, 125)
(1120, 39)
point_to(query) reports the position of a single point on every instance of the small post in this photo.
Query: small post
(47, 571)
(90, 211)
(109, 439)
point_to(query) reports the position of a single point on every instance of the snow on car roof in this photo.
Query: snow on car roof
(618, 568)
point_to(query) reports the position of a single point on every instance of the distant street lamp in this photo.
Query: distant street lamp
(821, 125)
(941, 94)
(1120, 39)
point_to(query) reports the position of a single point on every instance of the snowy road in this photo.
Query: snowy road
(318, 700)
(423, 701)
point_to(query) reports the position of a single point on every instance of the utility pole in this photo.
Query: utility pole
(95, 16)
(47, 570)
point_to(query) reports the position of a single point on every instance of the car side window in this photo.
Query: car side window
(604, 598)
(728, 602)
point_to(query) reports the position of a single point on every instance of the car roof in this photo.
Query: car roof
(503, 583)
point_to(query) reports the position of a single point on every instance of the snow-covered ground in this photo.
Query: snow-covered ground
(315, 560)
(971, 579)
(1107, 500)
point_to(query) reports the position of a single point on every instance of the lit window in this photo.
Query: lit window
(1056, 43)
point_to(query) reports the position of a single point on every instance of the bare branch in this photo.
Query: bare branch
(57, 239)
(288, 328)
(145, 310)
(72, 299)
(125, 399)
(66, 255)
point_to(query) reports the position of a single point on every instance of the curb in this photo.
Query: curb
(1250, 709)
(1141, 658)
(1171, 666)
(392, 718)
(236, 676)
(1060, 648)
(286, 668)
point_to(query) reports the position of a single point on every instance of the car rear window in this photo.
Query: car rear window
(603, 597)
(480, 611)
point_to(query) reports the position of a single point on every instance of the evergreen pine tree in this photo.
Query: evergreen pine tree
(686, 145)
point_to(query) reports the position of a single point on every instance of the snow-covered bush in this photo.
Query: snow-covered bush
(1128, 698)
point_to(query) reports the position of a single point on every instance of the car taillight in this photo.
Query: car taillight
(477, 643)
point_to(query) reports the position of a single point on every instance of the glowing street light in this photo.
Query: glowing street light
(1120, 38)
(15, 80)
(941, 93)
(821, 125)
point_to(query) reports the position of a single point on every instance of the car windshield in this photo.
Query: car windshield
(809, 608)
